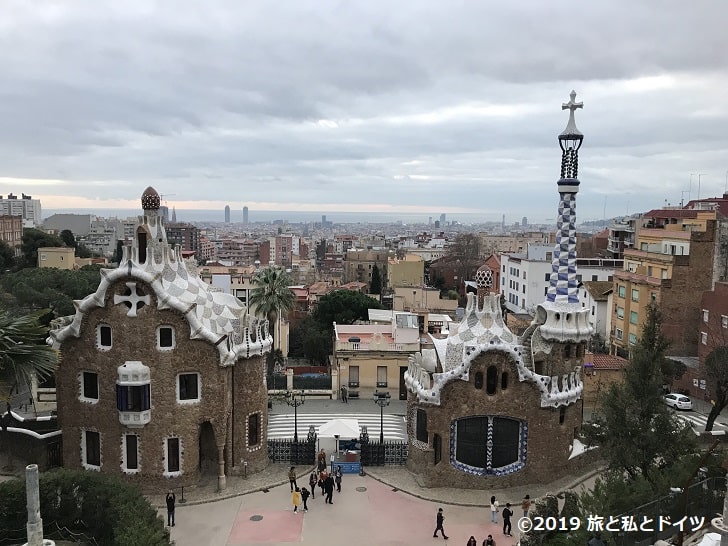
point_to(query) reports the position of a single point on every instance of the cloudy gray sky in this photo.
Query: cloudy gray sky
(414, 106)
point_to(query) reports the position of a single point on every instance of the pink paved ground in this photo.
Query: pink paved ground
(377, 516)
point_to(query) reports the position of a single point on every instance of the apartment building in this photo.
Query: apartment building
(359, 264)
(525, 276)
(406, 271)
(671, 264)
(26, 207)
(11, 231)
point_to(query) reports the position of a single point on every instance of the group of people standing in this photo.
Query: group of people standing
(325, 480)
(495, 509)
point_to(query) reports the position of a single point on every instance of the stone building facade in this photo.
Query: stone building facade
(487, 408)
(161, 377)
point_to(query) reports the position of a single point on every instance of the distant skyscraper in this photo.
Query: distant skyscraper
(323, 220)
(174, 215)
(503, 222)
(245, 215)
(524, 221)
(430, 222)
(227, 214)
(442, 220)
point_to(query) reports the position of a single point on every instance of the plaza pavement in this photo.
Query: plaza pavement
(388, 506)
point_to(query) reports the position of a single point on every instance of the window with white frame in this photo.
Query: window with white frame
(130, 453)
(635, 294)
(618, 334)
(90, 387)
(704, 338)
(165, 338)
(633, 339)
(724, 321)
(621, 291)
(103, 337)
(381, 376)
(91, 449)
(172, 457)
(620, 312)
(188, 388)
(706, 315)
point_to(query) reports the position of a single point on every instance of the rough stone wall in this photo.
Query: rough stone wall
(548, 441)
(680, 304)
(135, 338)
(249, 396)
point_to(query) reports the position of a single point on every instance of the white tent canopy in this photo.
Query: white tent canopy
(345, 429)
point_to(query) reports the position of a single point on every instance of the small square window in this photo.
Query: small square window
(621, 291)
(618, 334)
(188, 388)
(165, 338)
(620, 312)
(547, 277)
(635, 294)
(104, 338)
(632, 339)
(89, 386)
(724, 321)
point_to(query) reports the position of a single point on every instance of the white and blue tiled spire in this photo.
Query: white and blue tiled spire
(561, 316)
(563, 285)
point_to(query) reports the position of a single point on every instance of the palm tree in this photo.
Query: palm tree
(271, 296)
(24, 353)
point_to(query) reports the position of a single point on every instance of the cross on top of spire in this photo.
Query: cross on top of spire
(572, 105)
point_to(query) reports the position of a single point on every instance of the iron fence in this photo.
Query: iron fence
(388, 453)
(287, 451)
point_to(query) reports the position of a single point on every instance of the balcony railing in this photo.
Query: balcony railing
(394, 347)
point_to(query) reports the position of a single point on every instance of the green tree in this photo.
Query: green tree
(344, 307)
(23, 351)
(716, 370)
(32, 240)
(68, 238)
(271, 297)
(39, 288)
(312, 340)
(7, 256)
(637, 433)
(375, 286)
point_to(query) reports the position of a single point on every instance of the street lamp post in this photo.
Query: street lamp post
(381, 399)
(295, 399)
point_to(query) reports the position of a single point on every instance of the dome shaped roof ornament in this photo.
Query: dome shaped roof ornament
(484, 277)
(150, 199)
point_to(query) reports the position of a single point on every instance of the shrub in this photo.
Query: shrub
(103, 507)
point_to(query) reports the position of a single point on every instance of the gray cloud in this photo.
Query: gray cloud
(423, 104)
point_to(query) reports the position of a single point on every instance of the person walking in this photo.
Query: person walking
(526, 505)
(292, 478)
(329, 486)
(337, 479)
(322, 481)
(312, 481)
(439, 519)
(489, 541)
(171, 499)
(472, 541)
(296, 499)
(304, 497)
(493, 509)
(507, 513)
(344, 394)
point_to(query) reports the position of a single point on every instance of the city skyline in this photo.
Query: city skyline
(417, 109)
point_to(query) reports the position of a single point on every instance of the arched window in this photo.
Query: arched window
(562, 415)
(504, 380)
(491, 379)
(478, 380)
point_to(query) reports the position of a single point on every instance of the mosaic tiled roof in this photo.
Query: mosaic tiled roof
(215, 316)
